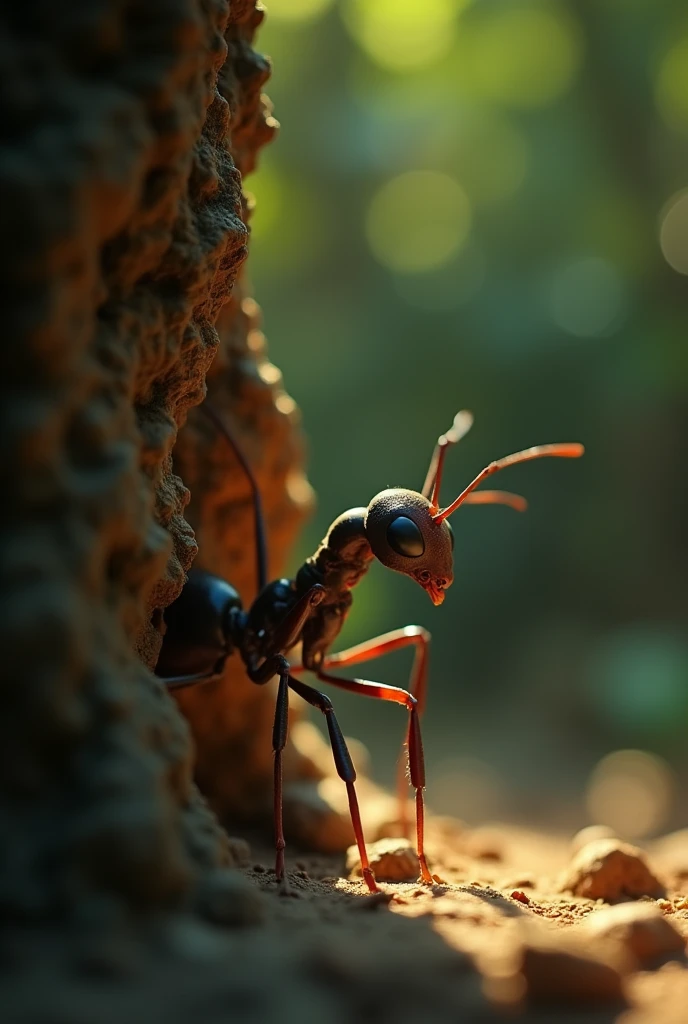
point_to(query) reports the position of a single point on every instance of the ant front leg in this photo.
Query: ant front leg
(397, 639)
(415, 745)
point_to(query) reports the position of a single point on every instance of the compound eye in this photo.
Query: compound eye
(404, 537)
(451, 534)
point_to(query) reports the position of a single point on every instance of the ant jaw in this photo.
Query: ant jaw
(436, 594)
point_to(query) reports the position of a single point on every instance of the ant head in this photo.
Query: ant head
(408, 530)
(402, 534)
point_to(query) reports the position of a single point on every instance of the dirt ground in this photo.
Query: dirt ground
(498, 936)
(496, 939)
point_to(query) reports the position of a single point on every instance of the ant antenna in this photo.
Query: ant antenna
(261, 548)
(463, 421)
(564, 451)
(514, 501)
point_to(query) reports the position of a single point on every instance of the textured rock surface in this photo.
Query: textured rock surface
(122, 230)
(610, 870)
(392, 860)
(231, 719)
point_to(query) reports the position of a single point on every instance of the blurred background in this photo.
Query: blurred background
(485, 205)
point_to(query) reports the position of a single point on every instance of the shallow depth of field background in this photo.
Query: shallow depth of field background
(485, 205)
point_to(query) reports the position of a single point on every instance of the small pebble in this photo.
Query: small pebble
(610, 870)
(520, 896)
(392, 860)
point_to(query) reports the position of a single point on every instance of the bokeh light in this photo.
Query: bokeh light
(671, 86)
(541, 290)
(673, 232)
(403, 35)
(588, 297)
(417, 221)
(521, 55)
(632, 792)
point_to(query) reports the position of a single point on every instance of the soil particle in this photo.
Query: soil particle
(610, 870)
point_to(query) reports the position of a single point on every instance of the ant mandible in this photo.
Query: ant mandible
(408, 532)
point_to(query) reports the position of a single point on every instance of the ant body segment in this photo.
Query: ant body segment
(408, 532)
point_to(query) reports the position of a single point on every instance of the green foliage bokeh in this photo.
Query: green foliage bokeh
(480, 204)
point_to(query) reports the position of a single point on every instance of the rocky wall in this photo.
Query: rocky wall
(123, 232)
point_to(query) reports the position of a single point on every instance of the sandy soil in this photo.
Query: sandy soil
(496, 940)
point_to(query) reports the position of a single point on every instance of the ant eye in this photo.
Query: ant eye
(404, 537)
(451, 534)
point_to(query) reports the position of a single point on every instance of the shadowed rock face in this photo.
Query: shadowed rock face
(231, 719)
(122, 236)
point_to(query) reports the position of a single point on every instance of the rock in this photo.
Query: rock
(640, 928)
(590, 834)
(227, 898)
(392, 860)
(240, 851)
(555, 975)
(610, 870)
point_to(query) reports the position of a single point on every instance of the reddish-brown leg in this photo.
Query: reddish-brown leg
(344, 765)
(397, 639)
(415, 745)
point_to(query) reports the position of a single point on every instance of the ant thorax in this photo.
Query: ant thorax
(341, 561)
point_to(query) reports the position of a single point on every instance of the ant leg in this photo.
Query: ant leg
(395, 640)
(344, 765)
(415, 746)
(276, 664)
(279, 740)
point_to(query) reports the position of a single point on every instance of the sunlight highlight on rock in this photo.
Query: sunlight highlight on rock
(418, 221)
(403, 35)
(588, 298)
(632, 792)
(673, 232)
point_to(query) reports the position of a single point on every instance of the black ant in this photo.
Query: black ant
(408, 532)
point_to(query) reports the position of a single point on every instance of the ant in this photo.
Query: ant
(409, 532)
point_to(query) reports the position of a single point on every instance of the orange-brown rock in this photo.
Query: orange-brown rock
(610, 870)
